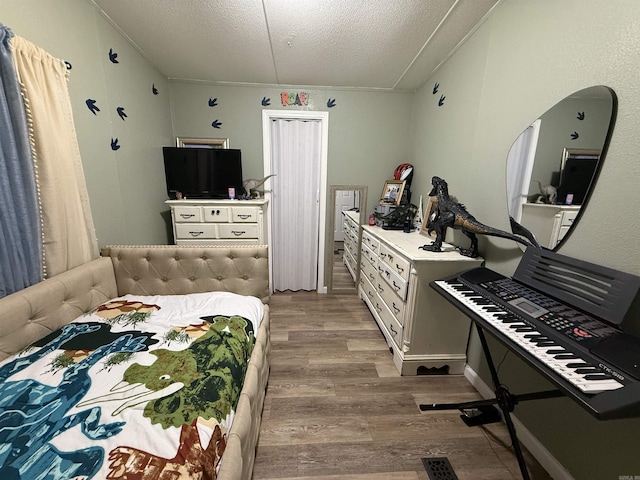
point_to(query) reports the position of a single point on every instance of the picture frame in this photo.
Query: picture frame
(185, 142)
(431, 212)
(392, 192)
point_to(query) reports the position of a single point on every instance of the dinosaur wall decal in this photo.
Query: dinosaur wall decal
(451, 214)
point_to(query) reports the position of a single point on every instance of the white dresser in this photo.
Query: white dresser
(549, 223)
(201, 222)
(351, 228)
(424, 331)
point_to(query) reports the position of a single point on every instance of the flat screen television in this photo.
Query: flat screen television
(575, 179)
(202, 172)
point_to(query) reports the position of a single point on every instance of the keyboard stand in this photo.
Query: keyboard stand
(503, 398)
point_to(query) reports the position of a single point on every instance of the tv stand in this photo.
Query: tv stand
(211, 222)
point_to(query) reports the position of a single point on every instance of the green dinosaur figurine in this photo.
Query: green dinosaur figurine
(450, 214)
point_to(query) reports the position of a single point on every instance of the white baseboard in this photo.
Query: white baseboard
(526, 438)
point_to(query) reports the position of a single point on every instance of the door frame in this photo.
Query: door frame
(323, 118)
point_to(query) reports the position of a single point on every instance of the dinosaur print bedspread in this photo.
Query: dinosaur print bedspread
(144, 387)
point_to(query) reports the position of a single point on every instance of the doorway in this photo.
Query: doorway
(279, 222)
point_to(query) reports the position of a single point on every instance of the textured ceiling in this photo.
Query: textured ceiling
(384, 44)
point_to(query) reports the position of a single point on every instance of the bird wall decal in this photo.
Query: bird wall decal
(114, 144)
(216, 123)
(331, 102)
(213, 102)
(266, 101)
(154, 90)
(113, 56)
(91, 105)
(435, 88)
(580, 116)
(574, 136)
(441, 101)
(121, 113)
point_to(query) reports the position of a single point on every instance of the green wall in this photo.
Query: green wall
(528, 56)
(369, 132)
(126, 187)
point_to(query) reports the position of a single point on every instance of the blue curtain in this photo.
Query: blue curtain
(20, 239)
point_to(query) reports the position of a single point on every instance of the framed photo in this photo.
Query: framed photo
(392, 192)
(202, 142)
(431, 213)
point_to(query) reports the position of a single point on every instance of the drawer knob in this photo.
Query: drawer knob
(195, 234)
(397, 310)
(395, 285)
(392, 330)
(238, 233)
(399, 268)
(187, 215)
(244, 216)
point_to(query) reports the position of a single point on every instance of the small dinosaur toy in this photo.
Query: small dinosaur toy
(548, 193)
(252, 183)
(454, 215)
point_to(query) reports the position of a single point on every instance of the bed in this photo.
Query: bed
(150, 362)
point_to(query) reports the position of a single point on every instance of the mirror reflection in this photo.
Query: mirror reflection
(553, 165)
(347, 213)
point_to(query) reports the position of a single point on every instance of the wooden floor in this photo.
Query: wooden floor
(337, 408)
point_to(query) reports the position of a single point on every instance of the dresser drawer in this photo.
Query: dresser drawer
(234, 230)
(395, 281)
(216, 214)
(351, 246)
(568, 218)
(391, 298)
(368, 256)
(244, 214)
(369, 290)
(370, 271)
(391, 324)
(195, 231)
(187, 214)
(370, 242)
(396, 262)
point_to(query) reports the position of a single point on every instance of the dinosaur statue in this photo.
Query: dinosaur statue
(252, 183)
(548, 194)
(454, 215)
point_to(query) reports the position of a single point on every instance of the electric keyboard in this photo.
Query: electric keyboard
(565, 318)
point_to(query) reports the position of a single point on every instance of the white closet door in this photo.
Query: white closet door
(295, 203)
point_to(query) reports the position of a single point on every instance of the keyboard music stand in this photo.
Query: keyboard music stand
(503, 399)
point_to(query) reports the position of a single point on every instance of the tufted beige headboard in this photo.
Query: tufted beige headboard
(173, 269)
(36, 311)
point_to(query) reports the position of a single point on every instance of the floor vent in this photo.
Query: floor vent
(439, 468)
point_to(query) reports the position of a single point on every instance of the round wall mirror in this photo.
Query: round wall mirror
(553, 165)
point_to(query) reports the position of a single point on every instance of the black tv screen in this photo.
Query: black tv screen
(202, 172)
(576, 178)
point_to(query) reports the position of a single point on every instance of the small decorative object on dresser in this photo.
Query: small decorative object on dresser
(452, 214)
(251, 184)
(431, 213)
(392, 192)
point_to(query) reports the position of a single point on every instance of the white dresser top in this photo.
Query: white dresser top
(408, 245)
(229, 202)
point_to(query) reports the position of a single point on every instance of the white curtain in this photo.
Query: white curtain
(67, 226)
(519, 168)
(295, 203)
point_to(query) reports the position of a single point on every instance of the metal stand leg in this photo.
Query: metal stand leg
(503, 398)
